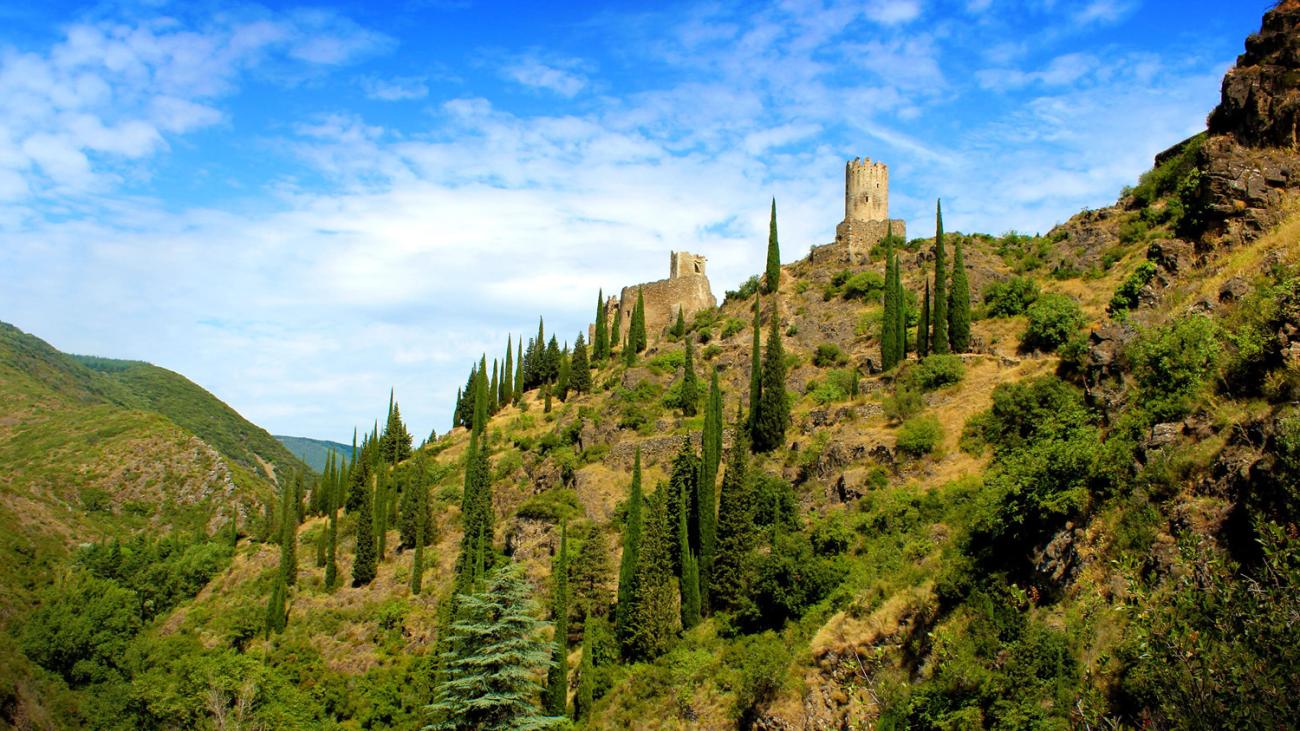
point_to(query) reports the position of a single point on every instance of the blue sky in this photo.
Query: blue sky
(300, 206)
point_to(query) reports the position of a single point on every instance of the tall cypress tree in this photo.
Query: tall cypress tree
(959, 303)
(590, 577)
(476, 500)
(627, 576)
(900, 316)
(705, 499)
(580, 369)
(888, 331)
(755, 372)
(363, 568)
(689, 575)
(557, 676)
(735, 531)
(923, 328)
(507, 394)
(690, 397)
(772, 277)
(421, 492)
(600, 342)
(683, 484)
(654, 615)
(397, 440)
(276, 616)
(519, 372)
(679, 327)
(491, 659)
(288, 535)
(636, 333)
(939, 312)
(494, 387)
(615, 337)
(586, 695)
(774, 410)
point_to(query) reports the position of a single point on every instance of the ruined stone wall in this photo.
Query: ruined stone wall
(663, 298)
(866, 190)
(854, 239)
(685, 264)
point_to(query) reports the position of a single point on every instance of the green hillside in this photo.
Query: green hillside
(314, 451)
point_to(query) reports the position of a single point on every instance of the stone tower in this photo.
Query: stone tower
(866, 214)
(866, 190)
(685, 264)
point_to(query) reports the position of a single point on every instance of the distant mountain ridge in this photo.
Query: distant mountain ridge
(314, 451)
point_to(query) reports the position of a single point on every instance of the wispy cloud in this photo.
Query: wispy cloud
(559, 77)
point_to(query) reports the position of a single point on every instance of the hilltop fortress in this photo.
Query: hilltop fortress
(866, 221)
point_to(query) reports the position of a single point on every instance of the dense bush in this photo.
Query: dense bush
(1052, 320)
(919, 436)
(868, 285)
(747, 289)
(904, 403)
(553, 506)
(935, 371)
(829, 355)
(82, 628)
(1172, 364)
(1126, 295)
(1010, 297)
(787, 580)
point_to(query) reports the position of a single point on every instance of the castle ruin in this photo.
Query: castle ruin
(686, 289)
(866, 214)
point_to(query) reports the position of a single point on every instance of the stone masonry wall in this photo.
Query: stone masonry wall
(854, 239)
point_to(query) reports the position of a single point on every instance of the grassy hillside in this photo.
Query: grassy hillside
(314, 451)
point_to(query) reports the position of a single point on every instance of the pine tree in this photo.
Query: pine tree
(627, 576)
(959, 303)
(690, 396)
(888, 331)
(727, 583)
(276, 616)
(923, 329)
(774, 410)
(557, 676)
(772, 278)
(590, 577)
(363, 568)
(586, 695)
(464, 414)
(939, 310)
(654, 615)
(755, 373)
(288, 536)
(705, 500)
(580, 370)
(636, 333)
(491, 659)
(600, 342)
(679, 327)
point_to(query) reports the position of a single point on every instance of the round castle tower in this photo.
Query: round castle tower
(866, 190)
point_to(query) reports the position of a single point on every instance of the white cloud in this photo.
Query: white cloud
(1103, 11)
(396, 89)
(553, 77)
(893, 12)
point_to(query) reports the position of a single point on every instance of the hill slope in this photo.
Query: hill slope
(314, 451)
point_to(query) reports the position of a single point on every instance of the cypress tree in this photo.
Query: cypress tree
(939, 311)
(519, 372)
(705, 499)
(557, 676)
(900, 316)
(629, 354)
(755, 373)
(600, 343)
(331, 552)
(679, 327)
(923, 329)
(566, 372)
(683, 485)
(507, 393)
(959, 303)
(276, 616)
(363, 568)
(476, 501)
(774, 410)
(654, 616)
(551, 362)
(546, 398)
(494, 387)
(491, 659)
(586, 695)
(397, 440)
(689, 580)
(590, 577)
(382, 488)
(690, 397)
(735, 531)
(772, 278)
(627, 576)
(888, 331)
(614, 337)
(636, 333)
(288, 536)
(580, 370)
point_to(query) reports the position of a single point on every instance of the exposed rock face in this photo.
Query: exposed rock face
(1252, 157)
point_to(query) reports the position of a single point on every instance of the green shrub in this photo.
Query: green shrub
(919, 436)
(1126, 296)
(746, 290)
(1010, 297)
(829, 355)
(1053, 319)
(553, 506)
(1172, 364)
(668, 361)
(868, 285)
(82, 629)
(732, 326)
(904, 403)
(711, 352)
(935, 371)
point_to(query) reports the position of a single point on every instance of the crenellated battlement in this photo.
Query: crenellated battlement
(866, 190)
